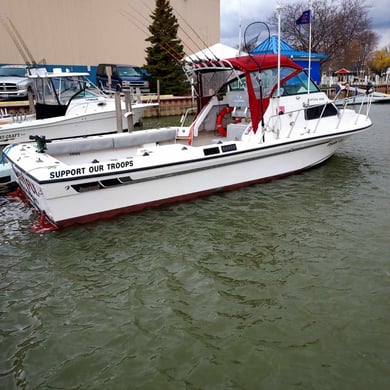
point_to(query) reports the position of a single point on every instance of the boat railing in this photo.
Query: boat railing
(274, 122)
(365, 103)
(186, 126)
(347, 96)
(184, 117)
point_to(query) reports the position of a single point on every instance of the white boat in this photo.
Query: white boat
(66, 105)
(350, 95)
(252, 126)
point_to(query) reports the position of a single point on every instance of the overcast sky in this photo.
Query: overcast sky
(261, 10)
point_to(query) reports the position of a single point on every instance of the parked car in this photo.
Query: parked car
(14, 82)
(122, 77)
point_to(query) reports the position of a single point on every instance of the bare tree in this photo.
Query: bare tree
(340, 29)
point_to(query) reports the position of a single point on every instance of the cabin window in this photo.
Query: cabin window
(321, 111)
(267, 79)
(237, 84)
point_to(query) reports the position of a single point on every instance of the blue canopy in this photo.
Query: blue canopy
(270, 46)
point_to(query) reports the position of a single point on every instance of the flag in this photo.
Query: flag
(304, 18)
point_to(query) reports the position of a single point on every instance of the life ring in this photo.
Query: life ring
(222, 113)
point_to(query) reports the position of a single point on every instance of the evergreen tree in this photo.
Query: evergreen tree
(165, 52)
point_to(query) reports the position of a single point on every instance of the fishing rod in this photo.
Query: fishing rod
(16, 38)
(167, 48)
(198, 36)
(22, 42)
(170, 49)
(191, 50)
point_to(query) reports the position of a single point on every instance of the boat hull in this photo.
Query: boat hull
(103, 122)
(174, 183)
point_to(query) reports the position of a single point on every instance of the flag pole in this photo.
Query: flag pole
(279, 9)
(309, 73)
(240, 32)
(305, 18)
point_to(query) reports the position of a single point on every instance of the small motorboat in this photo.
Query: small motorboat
(351, 95)
(259, 117)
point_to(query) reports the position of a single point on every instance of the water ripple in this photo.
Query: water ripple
(281, 285)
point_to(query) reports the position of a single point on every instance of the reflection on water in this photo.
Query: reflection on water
(281, 285)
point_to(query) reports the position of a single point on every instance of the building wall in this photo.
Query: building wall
(88, 32)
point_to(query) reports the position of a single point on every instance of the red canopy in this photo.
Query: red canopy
(343, 71)
(259, 62)
(248, 64)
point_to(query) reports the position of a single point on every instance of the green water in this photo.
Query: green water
(278, 286)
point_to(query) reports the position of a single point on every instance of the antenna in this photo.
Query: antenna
(246, 43)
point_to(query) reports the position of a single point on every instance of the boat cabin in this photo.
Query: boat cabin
(54, 91)
(239, 91)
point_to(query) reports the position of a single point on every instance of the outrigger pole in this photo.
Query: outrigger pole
(18, 40)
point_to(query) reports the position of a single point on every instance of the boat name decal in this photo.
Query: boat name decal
(96, 168)
(11, 136)
(27, 185)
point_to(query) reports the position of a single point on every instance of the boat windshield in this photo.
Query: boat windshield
(298, 84)
(60, 90)
(67, 87)
(268, 79)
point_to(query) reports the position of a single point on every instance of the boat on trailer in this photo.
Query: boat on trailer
(258, 118)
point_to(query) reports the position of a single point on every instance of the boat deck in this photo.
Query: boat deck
(68, 152)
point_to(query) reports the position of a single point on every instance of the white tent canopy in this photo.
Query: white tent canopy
(218, 51)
